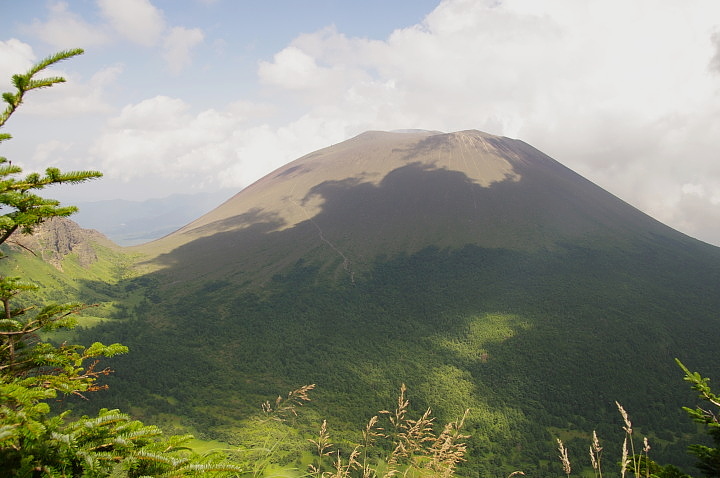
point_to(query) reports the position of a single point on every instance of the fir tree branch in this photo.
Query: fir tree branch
(25, 82)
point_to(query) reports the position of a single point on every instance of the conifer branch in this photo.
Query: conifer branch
(25, 82)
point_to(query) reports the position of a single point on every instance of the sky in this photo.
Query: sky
(190, 96)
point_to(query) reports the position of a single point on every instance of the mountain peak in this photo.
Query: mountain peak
(388, 192)
(367, 157)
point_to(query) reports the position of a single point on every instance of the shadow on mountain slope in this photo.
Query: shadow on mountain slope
(526, 339)
(413, 207)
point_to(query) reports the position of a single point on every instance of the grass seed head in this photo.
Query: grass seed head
(628, 424)
(564, 457)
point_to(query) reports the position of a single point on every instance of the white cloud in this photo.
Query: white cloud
(312, 82)
(139, 21)
(136, 20)
(162, 136)
(46, 153)
(291, 69)
(158, 113)
(693, 189)
(473, 63)
(74, 97)
(624, 93)
(177, 47)
(64, 29)
(15, 57)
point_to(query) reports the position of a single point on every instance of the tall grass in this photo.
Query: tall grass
(631, 462)
(393, 443)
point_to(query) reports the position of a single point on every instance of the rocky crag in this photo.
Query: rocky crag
(59, 237)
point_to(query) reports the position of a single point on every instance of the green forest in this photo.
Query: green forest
(467, 362)
(503, 350)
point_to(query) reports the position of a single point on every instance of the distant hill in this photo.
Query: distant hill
(133, 222)
(474, 268)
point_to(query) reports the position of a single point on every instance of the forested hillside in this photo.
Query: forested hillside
(535, 344)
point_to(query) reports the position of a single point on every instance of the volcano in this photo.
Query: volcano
(473, 268)
(389, 193)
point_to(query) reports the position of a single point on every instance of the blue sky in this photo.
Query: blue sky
(197, 95)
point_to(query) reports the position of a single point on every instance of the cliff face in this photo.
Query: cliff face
(58, 237)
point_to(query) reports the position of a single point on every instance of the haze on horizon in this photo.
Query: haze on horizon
(183, 97)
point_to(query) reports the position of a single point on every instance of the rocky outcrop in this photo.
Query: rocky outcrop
(58, 237)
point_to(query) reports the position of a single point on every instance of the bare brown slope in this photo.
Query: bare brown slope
(386, 193)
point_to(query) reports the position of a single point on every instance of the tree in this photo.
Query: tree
(34, 441)
(708, 456)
